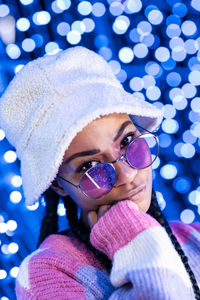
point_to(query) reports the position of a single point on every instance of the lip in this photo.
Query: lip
(134, 192)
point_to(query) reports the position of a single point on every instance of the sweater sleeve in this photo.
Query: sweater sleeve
(145, 264)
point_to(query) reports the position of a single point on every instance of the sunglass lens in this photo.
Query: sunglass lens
(98, 181)
(142, 152)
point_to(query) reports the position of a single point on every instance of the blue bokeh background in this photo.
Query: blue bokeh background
(153, 48)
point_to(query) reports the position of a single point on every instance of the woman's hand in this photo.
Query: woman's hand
(94, 216)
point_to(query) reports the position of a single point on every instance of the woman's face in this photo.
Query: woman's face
(105, 140)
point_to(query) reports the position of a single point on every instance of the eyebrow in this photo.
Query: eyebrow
(95, 151)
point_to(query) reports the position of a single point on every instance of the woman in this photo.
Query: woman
(81, 137)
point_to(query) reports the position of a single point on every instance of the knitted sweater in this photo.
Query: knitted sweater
(145, 264)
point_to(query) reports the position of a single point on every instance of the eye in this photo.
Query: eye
(127, 140)
(86, 166)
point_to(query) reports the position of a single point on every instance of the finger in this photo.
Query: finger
(102, 210)
(92, 218)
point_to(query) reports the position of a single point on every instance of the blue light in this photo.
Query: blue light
(191, 46)
(140, 50)
(168, 171)
(161, 200)
(148, 40)
(84, 8)
(148, 81)
(195, 128)
(134, 35)
(122, 76)
(189, 90)
(194, 63)
(164, 140)
(189, 28)
(13, 51)
(173, 19)
(136, 84)
(194, 77)
(106, 53)
(181, 185)
(153, 68)
(187, 216)
(149, 8)
(144, 28)
(153, 93)
(28, 45)
(194, 197)
(116, 8)
(169, 111)
(169, 64)
(187, 150)
(162, 54)
(38, 39)
(195, 104)
(126, 55)
(52, 48)
(98, 9)
(173, 79)
(115, 65)
(101, 40)
(179, 54)
(121, 24)
(89, 24)
(176, 43)
(4, 10)
(195, 4)
(188, 137)
(173, 30)
(155, 17)
(63, 28)
(23, 24)
(180, 9)
(170, 126)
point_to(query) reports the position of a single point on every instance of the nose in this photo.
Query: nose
(124, 172)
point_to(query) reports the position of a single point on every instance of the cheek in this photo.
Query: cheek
(80, 199)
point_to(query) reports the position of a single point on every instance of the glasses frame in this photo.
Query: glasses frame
(123, 156)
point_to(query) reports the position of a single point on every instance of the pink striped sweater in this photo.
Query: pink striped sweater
(145, 265)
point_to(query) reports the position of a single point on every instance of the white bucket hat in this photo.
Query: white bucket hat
(54, 97)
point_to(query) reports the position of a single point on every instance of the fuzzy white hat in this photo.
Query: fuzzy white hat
(54, 97)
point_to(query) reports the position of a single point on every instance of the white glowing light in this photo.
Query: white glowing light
(10, 156)
(13, 51)
(13, 248)
(121, 24)
(12, 225)
(155, 17)
(168, 171)
(126, 55)
(28, 45)
(153, 93)
(162, 54)
(33, 207)
(140, 50)
(23, 24)
(14, 271)
(2, 134)
(41, 17)
(3, 274)
(194, 77)
(188, 28)
(134, 6)
(73, 37)
(187, 150)
(89, 24)
(149, 81)
(187, 216)
(170, 126)
(84, 8)
(194, 197)
(16, 181)
(98, 9)
(15, 197)
(3, 227)
(136, 83)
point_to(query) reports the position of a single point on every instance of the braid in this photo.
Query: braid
(82, 232)
(50, 221)
(156, 213)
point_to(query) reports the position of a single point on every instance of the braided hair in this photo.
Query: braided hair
(50, 225)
